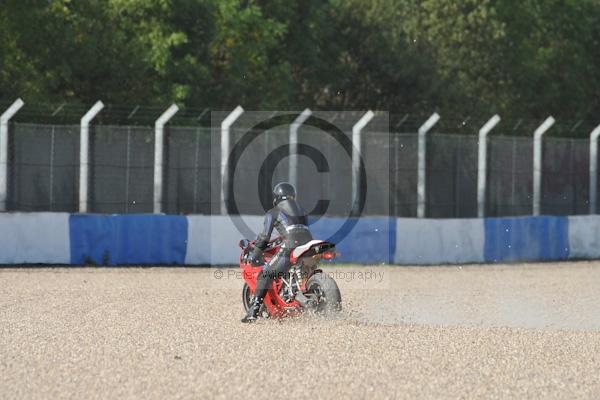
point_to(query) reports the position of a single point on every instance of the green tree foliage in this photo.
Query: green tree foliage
(528, 58)
(462, 37)
(551, 49)
(525, 58)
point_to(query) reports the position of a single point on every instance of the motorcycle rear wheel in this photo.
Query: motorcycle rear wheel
(329, 298)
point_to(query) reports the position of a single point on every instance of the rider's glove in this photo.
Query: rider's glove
(256, 256)
(255, 261)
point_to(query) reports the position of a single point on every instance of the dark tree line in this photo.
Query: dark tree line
(526, 58)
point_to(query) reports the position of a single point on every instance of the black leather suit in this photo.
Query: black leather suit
(289, 219)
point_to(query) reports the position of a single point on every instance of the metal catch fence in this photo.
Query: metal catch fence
(43, 172)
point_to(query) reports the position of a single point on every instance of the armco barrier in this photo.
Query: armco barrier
(58, 238)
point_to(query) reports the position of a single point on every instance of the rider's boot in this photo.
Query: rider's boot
(254, 308)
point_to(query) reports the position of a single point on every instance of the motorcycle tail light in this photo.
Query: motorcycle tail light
(329, 255)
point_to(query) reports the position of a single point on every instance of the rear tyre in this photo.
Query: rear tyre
(327, 293)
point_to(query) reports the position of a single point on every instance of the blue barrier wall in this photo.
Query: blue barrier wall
(128, 239)
(359, 240)
(526, 239)
(584, 237)
(34, 238)
(58, 238)
(439, 241)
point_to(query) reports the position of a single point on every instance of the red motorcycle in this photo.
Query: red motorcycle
(304, 287)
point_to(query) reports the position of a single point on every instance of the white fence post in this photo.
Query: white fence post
(293, 162)
(421, 173)
(537, 162)
(225, 134)
(6, 116)
(482, 164)
(159, 145)
(594, 169)
(84, 154)
(356, 156)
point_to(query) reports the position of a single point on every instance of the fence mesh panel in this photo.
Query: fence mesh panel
(565, 176)
(376, 149)
(451, 185)
(187, 171)
(403, 174)
(43, 170)
(121, 169)
(510, 176)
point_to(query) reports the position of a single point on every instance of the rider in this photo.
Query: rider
(290, 221)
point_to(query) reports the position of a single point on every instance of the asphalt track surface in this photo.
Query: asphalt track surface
(508, 331)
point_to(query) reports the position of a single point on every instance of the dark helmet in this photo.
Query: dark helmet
(283, 191)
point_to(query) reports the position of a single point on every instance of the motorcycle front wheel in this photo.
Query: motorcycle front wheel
(326, 291)
(247, 297)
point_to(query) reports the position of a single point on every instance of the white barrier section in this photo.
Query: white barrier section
(34, 238)
(584, 236)
(214, 239)
(439, 241)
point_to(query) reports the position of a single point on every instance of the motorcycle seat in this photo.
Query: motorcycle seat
(300, 250)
